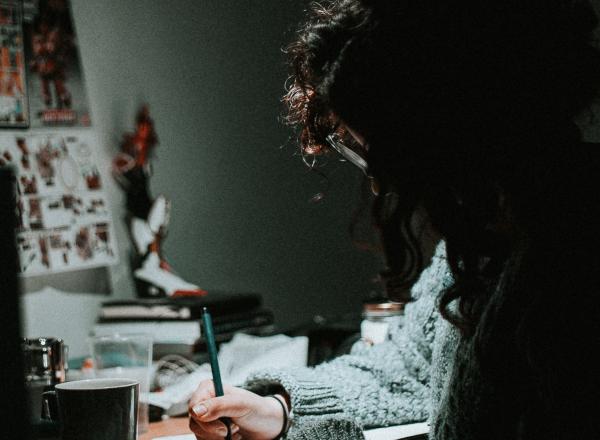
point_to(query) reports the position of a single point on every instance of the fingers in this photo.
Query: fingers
(215, 430)
(229, 405)
(205, 391)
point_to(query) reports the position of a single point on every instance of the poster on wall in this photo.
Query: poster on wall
(63, 218)
(55, 82)
(13, 92)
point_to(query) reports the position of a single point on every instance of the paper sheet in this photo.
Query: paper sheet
(397, 432)
(245, 354)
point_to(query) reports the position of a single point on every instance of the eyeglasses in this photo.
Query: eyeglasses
(352, 155)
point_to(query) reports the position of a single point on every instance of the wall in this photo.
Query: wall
(213, 73)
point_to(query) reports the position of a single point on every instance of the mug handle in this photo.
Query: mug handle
(50, 406)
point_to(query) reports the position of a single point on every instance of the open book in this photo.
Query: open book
(411, 431)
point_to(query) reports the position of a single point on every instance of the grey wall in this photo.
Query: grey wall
(212, 73)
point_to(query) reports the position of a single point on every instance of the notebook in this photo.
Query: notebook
(412, 431)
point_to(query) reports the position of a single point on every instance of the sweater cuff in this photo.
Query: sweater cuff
(309, 396)
(335, 427)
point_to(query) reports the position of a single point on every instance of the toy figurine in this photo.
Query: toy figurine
(48, 47)
(147, 218)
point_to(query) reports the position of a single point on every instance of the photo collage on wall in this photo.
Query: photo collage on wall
(63, 216)
(63, 220)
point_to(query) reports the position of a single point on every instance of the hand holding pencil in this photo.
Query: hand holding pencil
(211, 345)
(220, 411)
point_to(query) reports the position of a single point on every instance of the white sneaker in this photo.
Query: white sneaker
(172, 285)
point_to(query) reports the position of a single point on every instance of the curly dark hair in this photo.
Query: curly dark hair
(468, 110)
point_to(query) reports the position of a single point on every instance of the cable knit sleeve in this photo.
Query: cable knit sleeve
(373, 386)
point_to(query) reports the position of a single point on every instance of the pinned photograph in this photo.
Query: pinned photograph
(28, 184)
(13, 90)
(35, 220)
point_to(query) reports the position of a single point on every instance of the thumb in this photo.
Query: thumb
(229, 405)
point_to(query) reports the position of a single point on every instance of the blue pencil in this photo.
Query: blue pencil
(209, 337)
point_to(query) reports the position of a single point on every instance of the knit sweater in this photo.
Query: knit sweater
(390, 383)
(525, 374)
(527, 371)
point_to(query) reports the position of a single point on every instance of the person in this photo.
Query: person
(467, 112)
(382, 384)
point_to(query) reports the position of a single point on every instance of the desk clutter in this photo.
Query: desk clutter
(179, 351)
(175, 322)
(176, 357)
(176, 379)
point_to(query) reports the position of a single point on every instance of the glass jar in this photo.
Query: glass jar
(45, 362)
(377, 319)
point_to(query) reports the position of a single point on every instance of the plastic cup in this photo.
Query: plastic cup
(127, 356)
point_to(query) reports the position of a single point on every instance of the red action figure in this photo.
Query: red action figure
(47, 48)
(147, 218)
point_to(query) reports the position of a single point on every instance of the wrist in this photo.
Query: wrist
(283, 394)
(283, 414)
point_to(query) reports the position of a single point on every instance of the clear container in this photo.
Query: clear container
(126, 356)
(377, 319)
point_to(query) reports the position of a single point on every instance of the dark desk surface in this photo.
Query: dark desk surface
(172, 426)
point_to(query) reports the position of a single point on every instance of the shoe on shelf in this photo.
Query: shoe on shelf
(162, 282)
